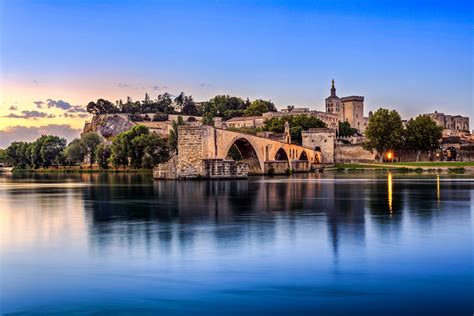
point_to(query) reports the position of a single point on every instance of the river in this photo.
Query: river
(334, 244)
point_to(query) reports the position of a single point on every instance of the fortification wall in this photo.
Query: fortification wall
(352, 154)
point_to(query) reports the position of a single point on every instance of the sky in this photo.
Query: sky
(56, 56)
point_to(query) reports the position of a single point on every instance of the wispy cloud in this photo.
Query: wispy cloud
(13, 108)
(39, 104)
(205, 85)
(80, 115)
(23, 133)
(141, 87)
(30, 115)
(77, 109)
(60, 104)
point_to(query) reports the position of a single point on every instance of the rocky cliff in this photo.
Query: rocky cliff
(108, 125)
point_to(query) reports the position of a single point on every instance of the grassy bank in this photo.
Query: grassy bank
(450, 166)
(78, 170)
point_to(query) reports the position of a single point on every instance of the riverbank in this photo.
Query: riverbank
(79, 170)
(448, 166)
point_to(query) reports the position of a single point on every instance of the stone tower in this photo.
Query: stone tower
(333, 103)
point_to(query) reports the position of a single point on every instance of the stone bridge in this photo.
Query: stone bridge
(204, 151)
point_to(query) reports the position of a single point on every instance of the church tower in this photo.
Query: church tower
(333, 103)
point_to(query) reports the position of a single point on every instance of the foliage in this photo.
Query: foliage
(225, 106)
(173, 137)
(298, 123)
(258, 107)
(422, 133)
(18, 154)
(384, 131)
(75, 152)
(345, 129)
(90, 141)
(102, 106)
(102, 155)
(138, 148)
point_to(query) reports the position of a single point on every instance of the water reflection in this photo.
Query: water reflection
(378, 237)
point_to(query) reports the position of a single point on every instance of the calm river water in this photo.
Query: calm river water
(332, 244)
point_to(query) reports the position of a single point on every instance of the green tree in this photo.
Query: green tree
(298, 123)
(173, 137)
(90, 141)
(103, 153)
(258, 107)
(189, 106)
(51, 150)
(75, 152)
(154, 150)
(384, 132)
(421, 134)
(225, 106)
(18, 154)
(102, 106)
(345, 129)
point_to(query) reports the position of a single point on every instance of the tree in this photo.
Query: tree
(51, 150)
(223, 105)
(102, 106)
(179, 101)
(102, 154)
(345, 129)
(258, 107)
(173, 137)
(189, 106)
(4, 156)
(384, 131)
(422, 133)
(164, 103)
(90, 141)
(298, 123)
(18, 154)
(154, 150)
(75, 152)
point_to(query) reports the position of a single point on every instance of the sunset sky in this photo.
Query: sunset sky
(56, 56)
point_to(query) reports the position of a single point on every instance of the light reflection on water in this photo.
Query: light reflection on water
(334, 244)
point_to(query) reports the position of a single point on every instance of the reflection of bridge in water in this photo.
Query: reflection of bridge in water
(206, 151)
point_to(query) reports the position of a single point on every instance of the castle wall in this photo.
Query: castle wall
(352, 154)
(322, 139)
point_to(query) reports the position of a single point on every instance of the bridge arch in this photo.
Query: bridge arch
(241, 149)
(281, 154)
(303, 156)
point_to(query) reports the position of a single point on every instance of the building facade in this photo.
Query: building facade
(349, 109)
(456, 123)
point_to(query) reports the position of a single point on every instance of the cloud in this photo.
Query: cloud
(22, 133)
(81, 115)
(13, 108)
(30, 115)
(158, 87)
(205, 85)
(39, 104)
(136, 87)
(60, 104)
(77, 109)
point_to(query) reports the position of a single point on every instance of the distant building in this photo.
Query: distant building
(330, 119)
(456, 123)
(245, 121)
(349, 109)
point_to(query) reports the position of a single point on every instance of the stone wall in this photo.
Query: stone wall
(276, 167)
(224, 169)
(190, 154)
(352, 154)
(321, 139)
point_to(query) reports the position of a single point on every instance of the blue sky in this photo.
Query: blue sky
(414, 56)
